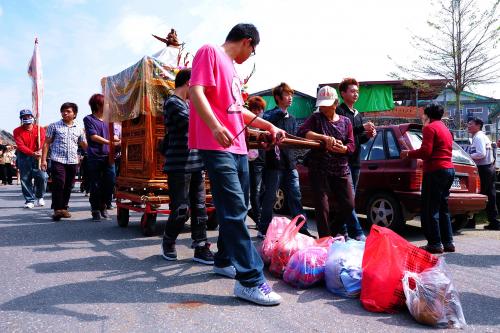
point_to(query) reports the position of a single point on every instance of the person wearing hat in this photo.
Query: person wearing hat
(29, 153)
(329, 172)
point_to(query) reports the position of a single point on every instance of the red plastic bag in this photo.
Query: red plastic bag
(306, 267)
(273, 234)
(387, 256)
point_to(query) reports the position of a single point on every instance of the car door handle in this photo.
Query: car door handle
(372, 166)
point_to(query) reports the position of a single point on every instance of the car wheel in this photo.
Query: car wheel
(280, 206)
(384, 210)
(458, 222)
(122, 217)
(148, 223)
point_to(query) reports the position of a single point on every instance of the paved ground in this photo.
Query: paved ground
(80, 276)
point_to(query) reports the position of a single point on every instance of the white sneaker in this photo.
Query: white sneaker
(29, 205)
(40, 202)
(262, 294)
(228, 271)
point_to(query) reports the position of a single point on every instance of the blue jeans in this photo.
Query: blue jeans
(101, 177)
(229, 181)
(353, 226)
(272, 180)
(435, 216)
(29, 171)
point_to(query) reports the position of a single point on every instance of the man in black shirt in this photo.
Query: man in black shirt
(349, 90)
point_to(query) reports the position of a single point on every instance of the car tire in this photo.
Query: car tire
(280, 204)
(122, 217)
(384, 210)
(148, 224)
(459, 222)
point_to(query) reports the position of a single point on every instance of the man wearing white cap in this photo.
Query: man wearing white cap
(329, 168)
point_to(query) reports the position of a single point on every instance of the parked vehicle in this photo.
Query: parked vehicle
(389, 188)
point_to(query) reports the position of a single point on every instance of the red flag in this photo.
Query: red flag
(35, 72)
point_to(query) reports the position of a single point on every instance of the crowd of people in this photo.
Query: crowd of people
(207, 135)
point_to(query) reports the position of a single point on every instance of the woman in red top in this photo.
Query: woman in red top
(437, 179)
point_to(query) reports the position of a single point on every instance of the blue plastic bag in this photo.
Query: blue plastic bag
(343, 272)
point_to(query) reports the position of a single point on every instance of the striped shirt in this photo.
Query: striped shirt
(66, 138)
(178, 157)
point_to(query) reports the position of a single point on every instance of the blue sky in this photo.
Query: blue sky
(302, 42)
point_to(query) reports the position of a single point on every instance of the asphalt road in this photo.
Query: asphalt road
(82, 276)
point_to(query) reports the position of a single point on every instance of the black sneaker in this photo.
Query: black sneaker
(104, 214)
(168, 251)
(202, 254)
(492, 226)
(96, 216)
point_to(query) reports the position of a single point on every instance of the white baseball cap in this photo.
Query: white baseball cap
(326, 96)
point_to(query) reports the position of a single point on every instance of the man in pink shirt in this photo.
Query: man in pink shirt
(216, 128)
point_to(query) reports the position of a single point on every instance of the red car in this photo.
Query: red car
(389, 188)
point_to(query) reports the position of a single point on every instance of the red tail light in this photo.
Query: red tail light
(478, 182)
(416, 180)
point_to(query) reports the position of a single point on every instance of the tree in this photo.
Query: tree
(462, 48)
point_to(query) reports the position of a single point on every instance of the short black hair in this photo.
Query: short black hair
(182, 77)
(478, 121)
(242, 31)
(434, 111)
(70, 105)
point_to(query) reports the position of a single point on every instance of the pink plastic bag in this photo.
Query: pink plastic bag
(274, 232)
(292, 241)
(306, 267)
(289, 243)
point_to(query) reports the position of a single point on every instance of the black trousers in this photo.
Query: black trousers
(63, 176)
(488, 178)
(186, 191)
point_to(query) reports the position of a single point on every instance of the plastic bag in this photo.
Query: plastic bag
(274, 232)
(387, 256)
(343, 268)
(289, 243)
(432, 299)
(306, 267)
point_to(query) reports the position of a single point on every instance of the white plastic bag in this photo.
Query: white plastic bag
(432, 299)
(343, 268)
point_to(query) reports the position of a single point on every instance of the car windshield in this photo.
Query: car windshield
(459, 156)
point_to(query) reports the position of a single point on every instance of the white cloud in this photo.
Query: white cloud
(135, 31)
(1, 11)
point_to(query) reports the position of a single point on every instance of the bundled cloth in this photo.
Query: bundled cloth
(387, 256)
(343, 268)
(432, 299)
(306, 267)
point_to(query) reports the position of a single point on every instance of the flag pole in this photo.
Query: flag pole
(37, 121)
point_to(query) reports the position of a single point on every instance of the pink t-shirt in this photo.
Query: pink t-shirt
(214, 70)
